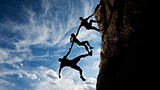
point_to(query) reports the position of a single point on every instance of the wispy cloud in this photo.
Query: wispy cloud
(3, 55)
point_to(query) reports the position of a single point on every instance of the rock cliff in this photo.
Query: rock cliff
(125, 25)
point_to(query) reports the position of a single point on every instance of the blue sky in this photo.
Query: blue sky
(34, 34)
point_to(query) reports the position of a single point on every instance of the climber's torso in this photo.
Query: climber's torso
(85, 24)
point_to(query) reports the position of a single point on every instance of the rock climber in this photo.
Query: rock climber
(73, 40)
(84, 22)
(72, 63)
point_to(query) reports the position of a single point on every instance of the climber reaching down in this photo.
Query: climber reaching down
(73, 40)
(72, 63)
(84, 22)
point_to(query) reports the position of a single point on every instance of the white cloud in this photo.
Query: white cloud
(20, 75)
(52, 74)
(21, 64)
(45, 6)
(31, 76)
(40, 57)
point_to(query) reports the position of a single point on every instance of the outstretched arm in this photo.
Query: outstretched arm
(90, 16)
(78, 30)
(69, 50)
(71, 46)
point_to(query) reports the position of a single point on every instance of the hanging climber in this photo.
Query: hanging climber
(84, 22)
(73, 40)
(72, 63)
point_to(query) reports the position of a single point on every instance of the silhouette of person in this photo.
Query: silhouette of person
(84, 22)
(72, 63)
(73, 39)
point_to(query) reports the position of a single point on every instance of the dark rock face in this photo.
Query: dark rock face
(125, 24)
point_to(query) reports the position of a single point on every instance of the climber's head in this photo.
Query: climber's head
(60, 59)
(73, 35)
(80, 18)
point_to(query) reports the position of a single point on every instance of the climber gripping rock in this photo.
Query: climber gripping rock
(87, 25)
(72, 63)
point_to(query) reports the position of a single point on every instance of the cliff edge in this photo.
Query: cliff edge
(125, 25)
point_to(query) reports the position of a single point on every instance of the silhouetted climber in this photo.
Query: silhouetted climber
(73, 39)
(72, 63)
(84, 22)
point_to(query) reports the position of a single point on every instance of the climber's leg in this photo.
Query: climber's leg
(94, 28)
(83, 44)
(80, 71)
(86, 42)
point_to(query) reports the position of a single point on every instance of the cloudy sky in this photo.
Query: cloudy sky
(34, 34)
